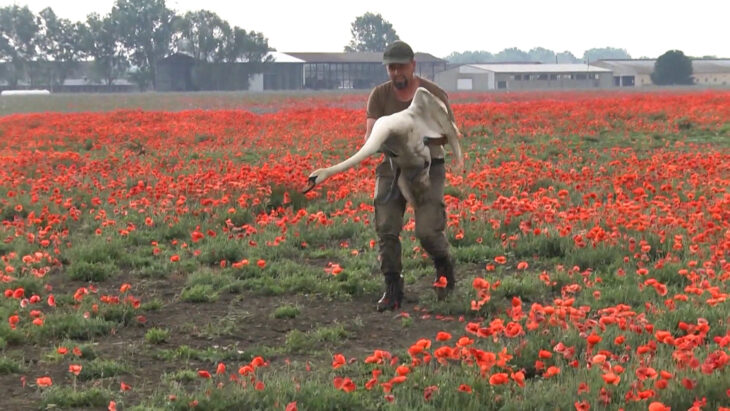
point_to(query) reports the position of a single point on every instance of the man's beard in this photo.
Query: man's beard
(400, 84)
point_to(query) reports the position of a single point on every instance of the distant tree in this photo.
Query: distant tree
(512, 54)
(145, 28)
(470, 57)
(672, 67)
(596, 54)
(370, 32)
(206, 33)
(250, 46)
(101, 40)
(18, 35)
(566, 57)
(542, 55)
(537, 54)
(60, 47)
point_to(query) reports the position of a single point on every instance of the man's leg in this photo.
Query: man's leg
(431, 226)
(388, 224)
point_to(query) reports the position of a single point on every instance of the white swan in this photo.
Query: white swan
(403, 137)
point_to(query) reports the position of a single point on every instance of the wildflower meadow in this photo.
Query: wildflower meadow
(157, 253)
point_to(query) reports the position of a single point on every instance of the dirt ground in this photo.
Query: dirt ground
(249, 325)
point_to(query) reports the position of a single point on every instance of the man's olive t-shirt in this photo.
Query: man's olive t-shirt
(383, 102)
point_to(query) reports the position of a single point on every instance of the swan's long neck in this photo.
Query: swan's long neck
(377, 137)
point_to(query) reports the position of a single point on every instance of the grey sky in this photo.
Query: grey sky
(643, 28)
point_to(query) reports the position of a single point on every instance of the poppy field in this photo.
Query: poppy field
(157, 253)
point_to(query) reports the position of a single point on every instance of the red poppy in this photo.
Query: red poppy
(429, 391)
(498, 379)
(443, 336)
(338, 360)
(441, 283)
(44, 381)
(658, 406)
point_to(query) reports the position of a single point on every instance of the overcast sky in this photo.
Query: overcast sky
(644, 28)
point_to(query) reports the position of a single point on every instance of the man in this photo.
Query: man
(391, 97)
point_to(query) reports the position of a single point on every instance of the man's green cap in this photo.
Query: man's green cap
(398, 52)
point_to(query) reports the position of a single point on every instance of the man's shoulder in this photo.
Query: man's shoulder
(382, 87)
(377, 100)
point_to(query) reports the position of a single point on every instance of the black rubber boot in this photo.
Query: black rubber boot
(393, 296)
(444, 268)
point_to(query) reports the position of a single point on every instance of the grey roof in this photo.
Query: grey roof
(278, 57)
(359, 57)
(646, 66)
(622, 67)
(532, 68)
(77, 82)
(711, 66)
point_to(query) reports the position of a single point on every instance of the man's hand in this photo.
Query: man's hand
(442, 141)
(436, 141)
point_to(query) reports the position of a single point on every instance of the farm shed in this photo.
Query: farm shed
(482, 77)
(175, 73)
(637, 73)
(283, 72)
(361, 70)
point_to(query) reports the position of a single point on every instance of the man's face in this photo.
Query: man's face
(401, 74)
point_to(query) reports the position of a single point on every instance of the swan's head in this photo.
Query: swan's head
(317, 177)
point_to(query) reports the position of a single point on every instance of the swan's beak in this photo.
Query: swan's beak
(310, 184)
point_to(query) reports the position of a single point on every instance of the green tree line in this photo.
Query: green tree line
(536, 55)
(128, 41)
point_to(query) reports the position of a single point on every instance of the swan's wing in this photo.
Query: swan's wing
(436, 120)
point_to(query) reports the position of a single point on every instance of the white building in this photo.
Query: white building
(637, 73)
(482, 77)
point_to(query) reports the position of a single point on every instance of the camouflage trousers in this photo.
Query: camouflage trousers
(430, 216)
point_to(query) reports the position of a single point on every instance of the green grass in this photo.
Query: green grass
(99, 368)
(286, 311)
(65, 397)
(199, 293)
(156, 336)
(211, 355)
(302, 342)
(10, 366)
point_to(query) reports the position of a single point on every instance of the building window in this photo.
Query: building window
(553, 77)
(627, 81)
(526, 77)
(464, 84)
(502, 84)
(518, 76)
(542, 76)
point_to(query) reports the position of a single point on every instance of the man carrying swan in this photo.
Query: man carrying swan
(388, 98)
(409, 120)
